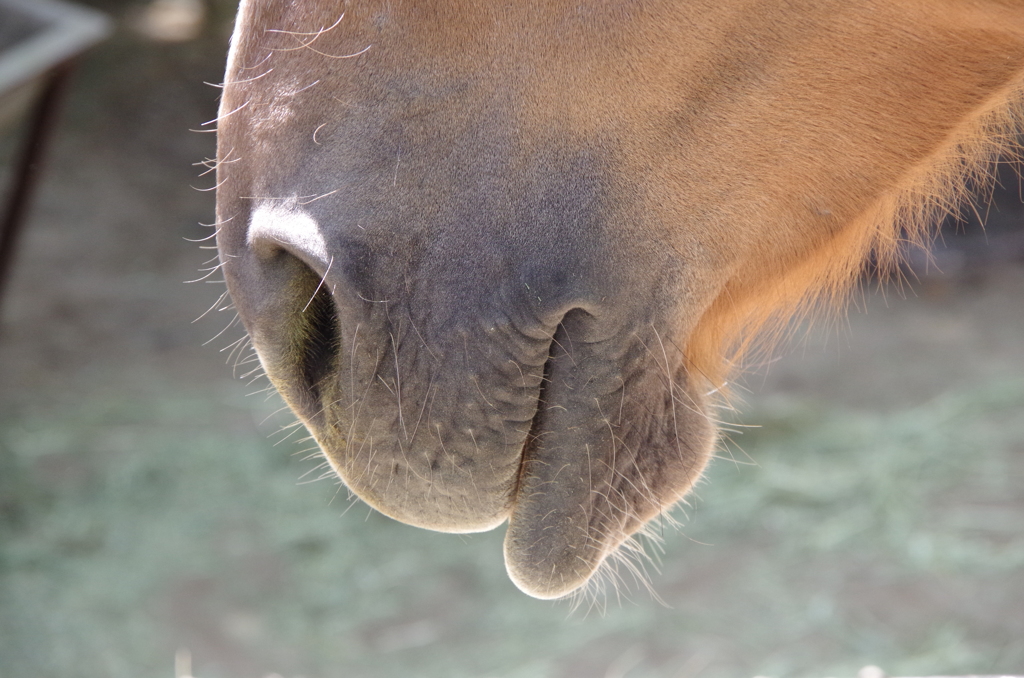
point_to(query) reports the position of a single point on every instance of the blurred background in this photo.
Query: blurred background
(153, 522)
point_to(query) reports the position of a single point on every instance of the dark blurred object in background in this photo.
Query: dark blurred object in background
(988, 231)
(39, 42)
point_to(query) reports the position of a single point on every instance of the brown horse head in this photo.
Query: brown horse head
(496, 255)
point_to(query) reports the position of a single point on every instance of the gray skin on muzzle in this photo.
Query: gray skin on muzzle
(475, 328)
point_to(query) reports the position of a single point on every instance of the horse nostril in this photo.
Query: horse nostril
(295, 318)
(318, 337)
(278, 228)
(296, 327)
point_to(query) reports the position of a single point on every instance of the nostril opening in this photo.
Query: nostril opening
(318, 335)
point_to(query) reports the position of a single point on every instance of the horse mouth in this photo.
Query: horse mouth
(567, 434)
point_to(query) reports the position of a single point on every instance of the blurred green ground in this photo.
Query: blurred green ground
(135, 528)
(145, 509)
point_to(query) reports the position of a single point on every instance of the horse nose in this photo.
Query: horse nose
(279, 281)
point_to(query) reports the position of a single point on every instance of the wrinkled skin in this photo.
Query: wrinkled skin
(476, 243)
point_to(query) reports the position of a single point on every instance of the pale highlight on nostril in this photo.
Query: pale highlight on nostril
(285, 225)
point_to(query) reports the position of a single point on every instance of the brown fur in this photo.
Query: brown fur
(580, 215)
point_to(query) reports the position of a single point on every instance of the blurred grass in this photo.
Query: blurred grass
(131, 528)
